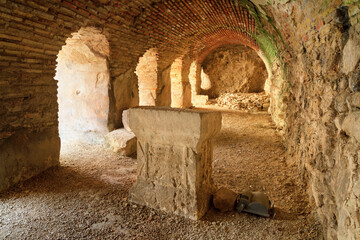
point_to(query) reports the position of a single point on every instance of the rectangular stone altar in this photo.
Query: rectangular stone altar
(174, 154)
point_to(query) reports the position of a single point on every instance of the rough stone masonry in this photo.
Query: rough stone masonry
(175, 154)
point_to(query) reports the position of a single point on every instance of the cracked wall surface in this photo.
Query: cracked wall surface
(322, 107)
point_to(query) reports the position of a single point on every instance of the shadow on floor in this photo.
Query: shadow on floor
(61, 180)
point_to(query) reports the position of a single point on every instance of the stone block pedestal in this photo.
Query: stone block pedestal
(175, 154)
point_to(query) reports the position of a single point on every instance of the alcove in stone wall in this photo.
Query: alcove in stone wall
(232, 68)
(147, 72)
(83, 84)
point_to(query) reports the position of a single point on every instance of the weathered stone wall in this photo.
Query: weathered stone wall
(29, 44)
(322, 107)
(176, 83)
(195, 73)
(180, 84)
(164, 88)
(26, 153)
(125, 95)
(234, 68)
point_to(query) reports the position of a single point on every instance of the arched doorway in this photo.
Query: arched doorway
(147, 72)
(232, 68)
(83, 83)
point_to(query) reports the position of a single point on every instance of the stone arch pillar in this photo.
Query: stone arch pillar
(180, 85)
(195, 82)
(147, 72)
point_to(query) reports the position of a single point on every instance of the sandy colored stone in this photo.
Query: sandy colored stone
(205, 81)
(121, 141)
(147, 72)
(41, 151)
(174, 159)
(351, 125)
(126, 94)
(177, 86)
(340, 103)
(232, 68)
(164, 97)
(351, 55)
(355, 100)
(125, 120)
(354, 81)
(244, 101)
(83, 83)
(199, 100)
(224, 199)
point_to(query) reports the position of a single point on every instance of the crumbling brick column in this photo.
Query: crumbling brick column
(175, 154)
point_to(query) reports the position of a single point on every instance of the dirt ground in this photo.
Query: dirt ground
(86, 198)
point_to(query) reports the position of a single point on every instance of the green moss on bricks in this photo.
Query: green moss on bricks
(350, 2)
(267, 41)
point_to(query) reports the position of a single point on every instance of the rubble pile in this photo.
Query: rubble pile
(244, 101)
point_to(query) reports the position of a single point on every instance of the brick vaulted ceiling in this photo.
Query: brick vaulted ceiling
(134, 26)
(32, 33)
(197, 24)
(179, 22)
(173, 26)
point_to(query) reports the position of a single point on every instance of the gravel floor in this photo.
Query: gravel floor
(86, 198)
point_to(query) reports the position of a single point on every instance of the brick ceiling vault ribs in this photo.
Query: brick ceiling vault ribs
(195, 25)
(172, 26)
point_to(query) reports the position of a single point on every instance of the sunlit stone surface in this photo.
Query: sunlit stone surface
(175, 154)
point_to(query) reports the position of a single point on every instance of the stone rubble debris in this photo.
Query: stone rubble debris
(224, 199)
(257, 203)
(244, 101)
(121, 141)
